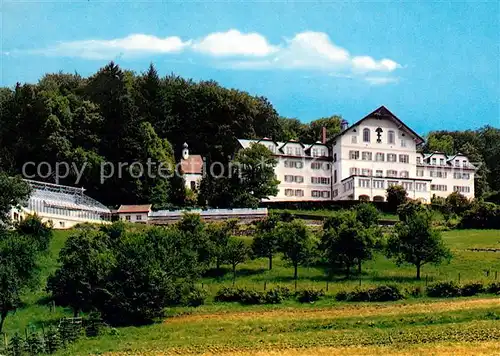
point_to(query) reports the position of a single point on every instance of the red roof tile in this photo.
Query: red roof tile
(192, 165)
(134, 209)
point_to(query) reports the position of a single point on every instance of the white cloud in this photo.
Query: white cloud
(312, 51)
(234, 43)
(381, 80)
(133, 45)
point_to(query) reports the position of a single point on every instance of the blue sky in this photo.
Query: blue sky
(435, 65)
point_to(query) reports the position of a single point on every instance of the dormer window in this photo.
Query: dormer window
(289, 151)
(298, 151)
(441, 161)
(434, 161)
(391, 137)
(366, 135)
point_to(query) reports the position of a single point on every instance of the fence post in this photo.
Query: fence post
(201, 285)
(327, 286)
(265, 285)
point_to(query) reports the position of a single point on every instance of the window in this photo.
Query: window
(62, 224)
(379, 173)
(354, 154)
(457, 163)
(288, 179)
(366, 135)
(335, 193)
(379, 157)
(320, 180)
(404, 159)
(378, 184)
(421, 187)
(404, 174)
(403, 143)
(299, 193)
(366, 172)
(408, 185)
(289, 192)
(391, 157)
(457, 175)
(441, 161)
(127, 217)
(323, 152)
(314, 165)
(325, 194)
(420, 172)
(298, 179)
(334, 157)
(315, 193)
(192, 184)
(348, 185)
(315, 152)
(465, 176)
(461, 189)
(419, 160)
(392, 183)
(335, 176)
(354, 139)
(364, 183)
(366, 156)
(289, 151)
(293, 164)
(298, 151)
(439, 187)
(354, 171)
(391, 137)
(326, 166)
(392, 173)
(138, 217)
(434, 161)
(464, 163)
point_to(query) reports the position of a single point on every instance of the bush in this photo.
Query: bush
(250, 296)
(471, 289)
(309, 295)
(443, 290)
(494, 288)
(195, 297)
(416, 292)
(482, 216)
(377, 294)
(277, 295)
(227, 294)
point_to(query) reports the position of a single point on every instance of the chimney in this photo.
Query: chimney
(344, 125)
(323, 135)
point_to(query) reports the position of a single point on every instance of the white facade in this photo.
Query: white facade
(364, 160)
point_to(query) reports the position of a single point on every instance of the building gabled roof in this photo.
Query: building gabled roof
(124, 209)
(192, 165)
(383, 112)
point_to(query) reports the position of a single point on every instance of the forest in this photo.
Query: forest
(116, 115)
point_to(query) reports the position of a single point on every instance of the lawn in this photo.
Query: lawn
(326, 326)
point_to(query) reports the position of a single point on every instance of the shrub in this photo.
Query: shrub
(309, 295)
(195, 298)
(277, 295)
(482, 216)
(471, 289)
(226, 294)
(377, 294)
(416, 292)
(250, 296)
(494, 288)
(443, 290)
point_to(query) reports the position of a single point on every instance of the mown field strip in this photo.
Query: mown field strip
(342, 311)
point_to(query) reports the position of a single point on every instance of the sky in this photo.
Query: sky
(435, 65)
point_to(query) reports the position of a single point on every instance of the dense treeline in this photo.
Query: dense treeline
(120, 116)
(117, 115)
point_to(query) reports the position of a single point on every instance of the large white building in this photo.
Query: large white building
(363, 161)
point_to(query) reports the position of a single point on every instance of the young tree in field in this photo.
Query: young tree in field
(367, 214)
(266, 240)
(296, 244)
(236, 252)
(18, 270)
(349, 243)
(410, 208)
(85, 262)
(38, 231)
(219, 234)
(416, 242)
(396, 195)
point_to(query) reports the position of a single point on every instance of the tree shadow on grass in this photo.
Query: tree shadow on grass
(394, 279)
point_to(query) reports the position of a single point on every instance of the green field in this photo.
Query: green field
(326, 326)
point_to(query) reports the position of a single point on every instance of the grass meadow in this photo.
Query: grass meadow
(327, 327)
